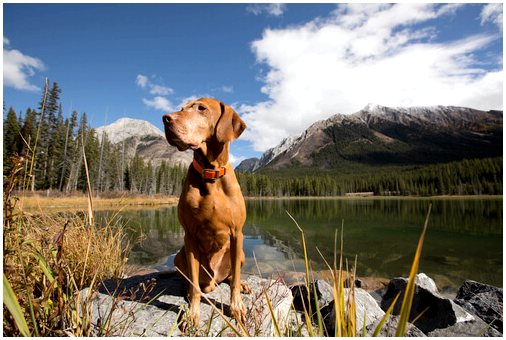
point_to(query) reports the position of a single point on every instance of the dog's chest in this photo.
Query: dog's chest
(210, 219)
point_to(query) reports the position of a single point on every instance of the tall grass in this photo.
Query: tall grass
(345, 317)
(48, 259)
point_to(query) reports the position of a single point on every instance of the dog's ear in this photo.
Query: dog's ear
(229, 126)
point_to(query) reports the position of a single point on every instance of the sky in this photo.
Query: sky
(282, 67)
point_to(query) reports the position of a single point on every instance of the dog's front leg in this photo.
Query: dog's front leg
(236, 304)
(194, 287)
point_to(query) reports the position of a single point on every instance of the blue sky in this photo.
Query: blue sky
(282, 67)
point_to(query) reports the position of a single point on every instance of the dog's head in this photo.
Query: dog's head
(201, 120)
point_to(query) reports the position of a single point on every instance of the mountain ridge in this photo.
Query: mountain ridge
(141, 138)
(380, 135)
(125, 127)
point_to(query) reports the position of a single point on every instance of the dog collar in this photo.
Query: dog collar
(209, 173)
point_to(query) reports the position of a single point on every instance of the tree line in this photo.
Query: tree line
(467, 177)
(55, 146)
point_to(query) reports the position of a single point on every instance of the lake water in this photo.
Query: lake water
(464, 238)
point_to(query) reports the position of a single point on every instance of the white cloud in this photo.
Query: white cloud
(376, 53)
(154, 89)
(235, 160)
(159, 103)
(141, 80)
(19, 67)
(492, 13)
(227, 89)
(160, 90)
(270, 9)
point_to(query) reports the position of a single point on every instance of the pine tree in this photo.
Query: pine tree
(77, 156)
(11, 138)
(55, 150)
(69, 149)
(41, 140)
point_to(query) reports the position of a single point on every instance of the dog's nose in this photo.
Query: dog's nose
(167, 118)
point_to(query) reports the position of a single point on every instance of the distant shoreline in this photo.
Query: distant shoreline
(365, 198)
(79, 202)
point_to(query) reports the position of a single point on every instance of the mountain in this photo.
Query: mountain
(142, 138)
(253, 164)
(248, 165)
(125, 128)
(379, 135)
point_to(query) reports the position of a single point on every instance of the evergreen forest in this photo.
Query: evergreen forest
(54, 146)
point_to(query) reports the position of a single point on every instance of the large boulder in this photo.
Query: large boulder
(367, 311)
(436, 311)
(390, 326)
(324, 300)
(473, 328)
(154, 305)
(324, 295)
(482, 300)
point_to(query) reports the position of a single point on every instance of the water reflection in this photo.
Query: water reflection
(464, 239)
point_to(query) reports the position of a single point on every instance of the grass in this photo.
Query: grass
(48, 259)
(345, 322)
(39, 202)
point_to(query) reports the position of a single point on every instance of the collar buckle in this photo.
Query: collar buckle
(211, 174)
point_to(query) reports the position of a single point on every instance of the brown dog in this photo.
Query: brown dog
(211, 207)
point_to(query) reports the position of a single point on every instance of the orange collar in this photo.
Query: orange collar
(209, 173)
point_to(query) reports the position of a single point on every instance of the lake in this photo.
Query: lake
(464, 239)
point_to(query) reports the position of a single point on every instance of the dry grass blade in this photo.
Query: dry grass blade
(410, 287)
(43, 107)
(307, 312)
(385, 317)
(90, 201)
(271, 311)
(12, 304)
(306, 260)
(420, 315)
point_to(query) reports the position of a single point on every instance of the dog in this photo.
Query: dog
(211, 207)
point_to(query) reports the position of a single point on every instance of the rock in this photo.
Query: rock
(474, 328)
(364, 305)
(426, 282)
(154, 304)
(378, 295)
(390, 326)
(482, 300)
(324, 293)
(438, 312)
(296, 325)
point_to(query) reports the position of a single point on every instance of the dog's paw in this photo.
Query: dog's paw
(238, 309)
(189, 322)
(245, 288)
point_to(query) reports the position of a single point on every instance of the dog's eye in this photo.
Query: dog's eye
(201, 108)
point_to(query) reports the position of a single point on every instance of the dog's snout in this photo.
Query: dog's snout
(167, 118)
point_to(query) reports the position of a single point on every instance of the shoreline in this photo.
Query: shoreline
(66, 203)
(365, 198)
(40, 201)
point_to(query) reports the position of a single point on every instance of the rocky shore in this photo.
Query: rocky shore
(153, 304)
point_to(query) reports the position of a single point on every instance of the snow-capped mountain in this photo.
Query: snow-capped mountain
(383, 135)
(125, 128)
(139, 137)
